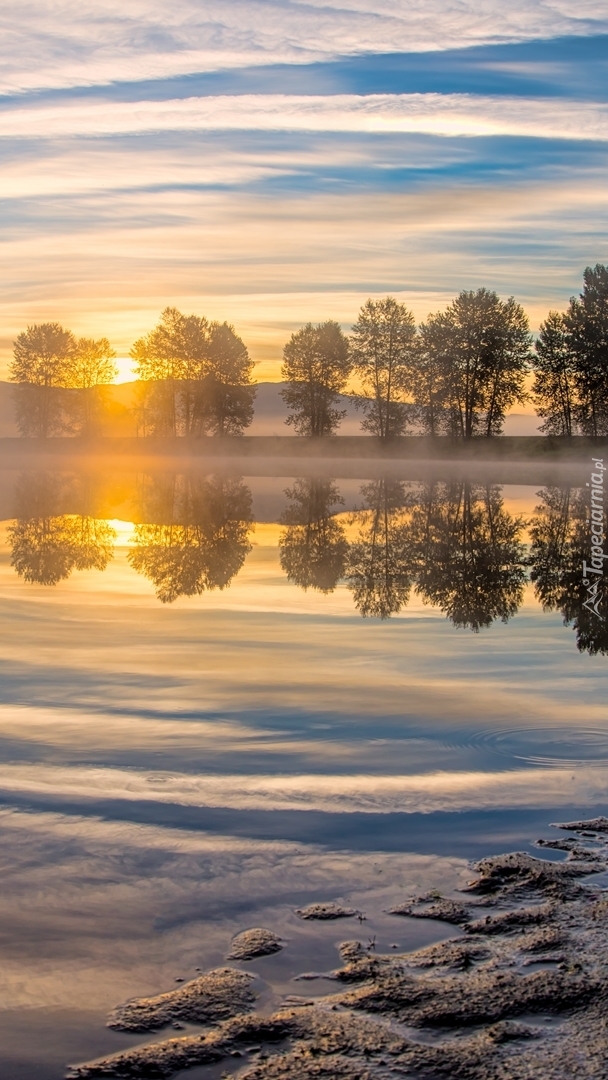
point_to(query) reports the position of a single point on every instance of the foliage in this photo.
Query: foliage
(41, 361)
(316, 366)
(475, 357)
(587, 328)
(224, 398)
(90, 370)
(197, 378)
(554, 390)
(384, 349)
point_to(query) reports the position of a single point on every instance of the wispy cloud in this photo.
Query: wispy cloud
(454, 115)
(77, 43)
(330, 793)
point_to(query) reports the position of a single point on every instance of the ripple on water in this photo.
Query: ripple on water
(569, 747)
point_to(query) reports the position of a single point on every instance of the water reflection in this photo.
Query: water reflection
(559, 531)
(313, 547)
(468, 554)
(47, 545)
(379, 571)
(197, 533)
(454, 544)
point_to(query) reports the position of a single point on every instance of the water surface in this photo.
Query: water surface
(226, 695)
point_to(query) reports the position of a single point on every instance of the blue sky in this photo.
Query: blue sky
(271, 163)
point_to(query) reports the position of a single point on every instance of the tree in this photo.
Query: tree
(384, 348)
(202, 539)
(430, 388)
(479, 349)
(172, 361)
(313, 547)
(379, 567)
(554, 390)
(47, 545)
(316, 366)
(224, 399)
(559, 531)
(41, 360)
(90, 369)
(197, 378)
(467, 554)
(587, 326)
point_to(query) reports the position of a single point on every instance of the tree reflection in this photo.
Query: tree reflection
(560, 542)
(46, 545)
(379, 570)
(201, 537)
(467, 553)
(313, 547)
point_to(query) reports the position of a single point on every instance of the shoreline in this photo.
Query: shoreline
(516, 988)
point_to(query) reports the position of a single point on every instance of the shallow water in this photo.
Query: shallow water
(226, 696)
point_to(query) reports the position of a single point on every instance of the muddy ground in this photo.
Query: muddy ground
(520, 993)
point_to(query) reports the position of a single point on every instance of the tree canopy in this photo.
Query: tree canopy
(316, 366)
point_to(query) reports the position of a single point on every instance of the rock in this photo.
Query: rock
(255, 942)
(214, 996)
(430, 907)
(325, 911)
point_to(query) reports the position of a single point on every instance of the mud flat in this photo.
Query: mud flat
(520, 994)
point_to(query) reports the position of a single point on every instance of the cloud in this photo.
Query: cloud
(448, 115)
(441, 790)
(84, 43)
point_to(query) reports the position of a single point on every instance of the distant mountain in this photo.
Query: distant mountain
(269, 418)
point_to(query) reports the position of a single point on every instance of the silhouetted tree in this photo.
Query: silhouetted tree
(41, 361)
(224, 400)
(430, 389)
(467, 553)
(559, 531)
(171, 361)
(90, 369)
(313, 547)
(478, 351)
(316, 366)
(379, 565)
(554, 390)
(46, 545)
(205, 542)
(384, 349)
(197, 378)
(587, 327)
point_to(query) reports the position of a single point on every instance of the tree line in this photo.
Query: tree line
(457, 374)
(453, 543)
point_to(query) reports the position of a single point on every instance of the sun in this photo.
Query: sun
(125, 369)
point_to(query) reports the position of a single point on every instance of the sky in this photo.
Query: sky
(271, 162)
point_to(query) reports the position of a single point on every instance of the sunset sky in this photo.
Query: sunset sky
(275, 162)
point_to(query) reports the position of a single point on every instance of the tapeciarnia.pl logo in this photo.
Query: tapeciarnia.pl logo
(596, 566)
